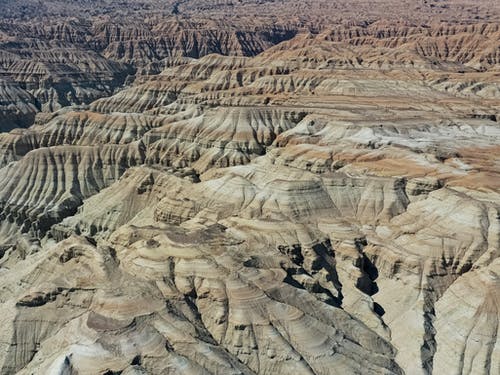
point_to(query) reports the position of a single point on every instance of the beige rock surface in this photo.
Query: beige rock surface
(328, 206)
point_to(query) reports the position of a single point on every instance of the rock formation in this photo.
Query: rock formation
(189, 191)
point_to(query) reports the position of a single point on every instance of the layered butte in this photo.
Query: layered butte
(297, 199)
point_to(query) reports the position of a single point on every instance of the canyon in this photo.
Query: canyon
(250, 187)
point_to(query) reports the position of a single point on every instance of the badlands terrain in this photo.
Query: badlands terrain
(250, 187)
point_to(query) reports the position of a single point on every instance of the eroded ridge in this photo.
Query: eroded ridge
(327, 202)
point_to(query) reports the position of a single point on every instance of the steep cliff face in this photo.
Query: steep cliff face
(71, 53)
(78, 61)
(48, 75)
(17, 107)
(330, 203)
